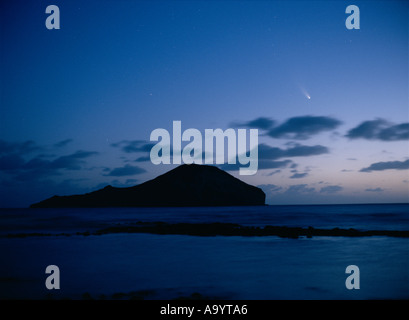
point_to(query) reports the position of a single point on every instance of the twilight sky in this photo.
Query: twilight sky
(78, 104)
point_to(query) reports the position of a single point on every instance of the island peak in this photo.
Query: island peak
(188, 185)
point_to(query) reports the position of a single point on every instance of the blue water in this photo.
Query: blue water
(361, 217)
(170, 266)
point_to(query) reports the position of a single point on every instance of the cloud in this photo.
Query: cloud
(73, 161)
(303, 127)
(38, 168)
(262, 164)
(273, 153)
(35, 174)
(262, 123)
(134, 146)
(270, 188)
(331, 189)
(63, 143)
(143, 159)
(128, 183)
(301, 194)
(274, 172)
(375, 190)
(305, 151)
(266, 164)
(270, 153)
(380, 166)
(13, 159)
(299, 175)
(16, 160)
(20, 148)
(131, 181)
(380, 129)
(299, 189)
(299, 128)
(269, 157)
(127, 170)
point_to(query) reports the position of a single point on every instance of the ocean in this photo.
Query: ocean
(171, 266)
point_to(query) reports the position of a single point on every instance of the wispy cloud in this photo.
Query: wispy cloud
(299, 175)
(262, 164)
(63, 143)
(267, 164)
(270, 157)
(273, 172)
(331, 189)
(262, 123)
(20, 148)
(143, 159)
(17, 161)
(133, 146)
(126, 170)
(299, 189)
(270, 188)
(375, 189)
(118, 184)
(71, 162)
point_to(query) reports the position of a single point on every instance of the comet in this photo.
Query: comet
(305, 93)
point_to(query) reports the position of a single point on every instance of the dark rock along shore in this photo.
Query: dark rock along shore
(224, 229)
(187, 185)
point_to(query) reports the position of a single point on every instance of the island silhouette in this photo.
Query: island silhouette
(185, 186)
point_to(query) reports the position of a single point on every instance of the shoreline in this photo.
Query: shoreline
(222, 229)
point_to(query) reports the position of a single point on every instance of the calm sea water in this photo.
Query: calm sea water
(170, 266)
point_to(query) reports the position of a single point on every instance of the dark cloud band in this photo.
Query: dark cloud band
(302, 128)
(298, 128)
(379, 129)
(380, 166)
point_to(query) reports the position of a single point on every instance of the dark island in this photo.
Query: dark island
(185, 186)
